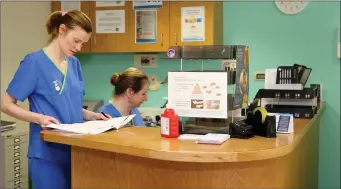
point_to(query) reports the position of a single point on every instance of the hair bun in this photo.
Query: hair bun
(114, 79)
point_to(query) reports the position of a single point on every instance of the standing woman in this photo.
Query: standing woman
(131, 87)
(51, 79)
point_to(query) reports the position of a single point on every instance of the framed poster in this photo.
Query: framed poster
(198, 94)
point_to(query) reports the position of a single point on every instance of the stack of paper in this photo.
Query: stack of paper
(190, 137)
(93, 127)
(212, 138)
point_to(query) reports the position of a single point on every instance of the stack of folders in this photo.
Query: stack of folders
(210, 138)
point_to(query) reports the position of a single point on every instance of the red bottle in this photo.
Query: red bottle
(169, 123)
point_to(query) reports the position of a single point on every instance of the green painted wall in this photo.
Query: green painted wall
(308, 38)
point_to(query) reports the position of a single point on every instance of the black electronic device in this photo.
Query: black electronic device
(296, 111)
(240, 129)
(296, 74)
(287, 75)
(306, 93)
(262, 124)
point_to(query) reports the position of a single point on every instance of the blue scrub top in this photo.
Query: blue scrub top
(109, 108)
(49, 92)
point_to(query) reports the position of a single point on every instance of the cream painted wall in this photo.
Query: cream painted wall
(22, 31)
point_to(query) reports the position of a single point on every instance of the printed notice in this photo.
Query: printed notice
(198, 94)
(70, 5)
(145, 26)
(192, 24)
(110, 21)
(140, 4)
(109, 3)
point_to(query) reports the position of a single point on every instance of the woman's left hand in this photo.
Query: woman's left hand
(100, 116)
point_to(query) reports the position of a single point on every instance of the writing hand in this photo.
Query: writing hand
(101, 116)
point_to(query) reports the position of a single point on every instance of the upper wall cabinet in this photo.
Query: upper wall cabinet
(187, 27)
(119, 29)
(57, 6)
(109, 35)
(156, 36)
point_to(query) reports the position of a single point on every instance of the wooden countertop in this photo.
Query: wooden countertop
(147, 142)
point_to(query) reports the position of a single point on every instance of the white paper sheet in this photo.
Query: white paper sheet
(198, 94)
(109, 3)
(93, 127)
(70, 5)
(110, 21)
(193, 23)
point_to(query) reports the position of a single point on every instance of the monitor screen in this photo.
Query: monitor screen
(198, 94)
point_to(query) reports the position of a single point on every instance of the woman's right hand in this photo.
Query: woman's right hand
(45, 120)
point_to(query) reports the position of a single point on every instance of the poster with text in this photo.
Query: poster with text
(109, 3)
(67, 6)
(145, 26)
(198, 94)
(110, 21)
(192, 24)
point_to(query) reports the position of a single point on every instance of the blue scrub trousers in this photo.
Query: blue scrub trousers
(49, 175)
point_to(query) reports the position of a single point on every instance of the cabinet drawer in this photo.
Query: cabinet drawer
(19, 183)
(14, 140)
(16, 150)
(16, 168)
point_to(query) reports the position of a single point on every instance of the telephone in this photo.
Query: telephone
(240, 129)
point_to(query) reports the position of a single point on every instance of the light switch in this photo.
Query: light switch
(259, 76)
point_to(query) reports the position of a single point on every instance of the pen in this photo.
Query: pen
(104, 115)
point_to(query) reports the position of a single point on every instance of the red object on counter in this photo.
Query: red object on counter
(169, 124)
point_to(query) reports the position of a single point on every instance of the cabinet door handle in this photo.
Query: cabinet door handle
(161, 39)
(176, 40)
(95, 41)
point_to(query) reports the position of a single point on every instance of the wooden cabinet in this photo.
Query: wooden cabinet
(56, 6)
(162, 31)
(213, 22)
(110, 42)
(168, 29)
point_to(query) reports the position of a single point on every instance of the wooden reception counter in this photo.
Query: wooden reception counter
(137, 157)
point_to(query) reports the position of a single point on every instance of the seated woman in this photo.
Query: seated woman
(130, 92)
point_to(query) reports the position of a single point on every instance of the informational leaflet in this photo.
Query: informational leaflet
(109, 3)
(145, 26)
(110, 21)
(67, 6)
(192, 24)
(198, 94)
(140, 4)
(241, 97)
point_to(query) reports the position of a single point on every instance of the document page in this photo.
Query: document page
(93, 127)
